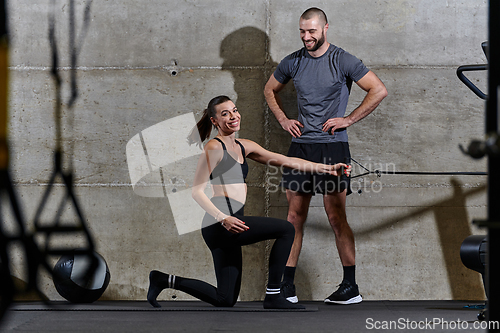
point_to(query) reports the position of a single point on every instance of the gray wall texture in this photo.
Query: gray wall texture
(145, 62)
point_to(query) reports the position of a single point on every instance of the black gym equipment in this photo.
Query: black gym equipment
(474, 68)
(473, 255)
(35, 257)
(74, 283)
(379, 173)
(490, 147)
(474, 248)
(492, 132)
(56, 226)
(8, 196)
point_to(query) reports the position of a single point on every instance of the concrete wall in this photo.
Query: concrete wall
(146, 62)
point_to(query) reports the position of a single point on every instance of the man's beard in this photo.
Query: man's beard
(318, 44)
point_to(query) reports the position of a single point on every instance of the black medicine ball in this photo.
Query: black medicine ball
(81, 278)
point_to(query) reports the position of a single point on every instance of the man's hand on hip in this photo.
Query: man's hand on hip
(334, 124)
(292, 126)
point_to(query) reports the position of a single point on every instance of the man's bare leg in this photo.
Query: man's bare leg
(348, 292)
(298, 207)
(344, 238)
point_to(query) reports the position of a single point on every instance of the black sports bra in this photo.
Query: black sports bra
(229, 171)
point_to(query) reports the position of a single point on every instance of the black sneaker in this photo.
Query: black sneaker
(346, 294)
(278, 301)
(289, 292)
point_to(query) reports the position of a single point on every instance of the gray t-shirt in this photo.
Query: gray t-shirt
(322, 86)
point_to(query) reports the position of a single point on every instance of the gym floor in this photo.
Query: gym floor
(195, 316)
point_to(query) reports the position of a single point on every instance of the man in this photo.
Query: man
(322, 74)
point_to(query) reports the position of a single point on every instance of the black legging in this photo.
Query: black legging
(226, 252)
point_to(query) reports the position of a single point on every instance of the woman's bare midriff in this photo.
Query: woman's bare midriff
(236, 192)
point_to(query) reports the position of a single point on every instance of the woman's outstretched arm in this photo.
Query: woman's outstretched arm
(264, 156)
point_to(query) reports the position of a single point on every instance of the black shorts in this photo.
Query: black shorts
(311, 183)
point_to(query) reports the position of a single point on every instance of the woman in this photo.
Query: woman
(225, 228)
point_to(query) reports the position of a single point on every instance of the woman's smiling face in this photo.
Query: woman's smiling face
(227, 117)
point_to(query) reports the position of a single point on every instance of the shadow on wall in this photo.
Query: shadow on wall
(453, 227)
(246, 55)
